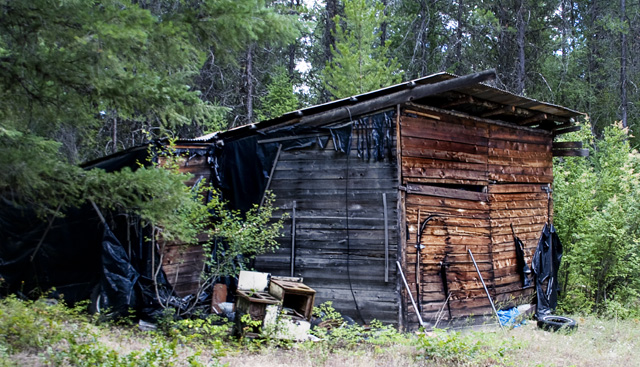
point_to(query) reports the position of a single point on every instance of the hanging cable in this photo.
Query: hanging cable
(346, 201)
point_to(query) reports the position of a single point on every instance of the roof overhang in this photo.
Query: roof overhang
(470, 94)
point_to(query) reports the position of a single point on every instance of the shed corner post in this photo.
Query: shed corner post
(400, 251)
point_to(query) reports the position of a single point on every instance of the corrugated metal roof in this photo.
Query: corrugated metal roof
(479, 92)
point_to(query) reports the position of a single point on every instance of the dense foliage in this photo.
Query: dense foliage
(597, 210)
(82, 79)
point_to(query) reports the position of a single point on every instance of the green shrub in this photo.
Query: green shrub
(337, 333)
(32, 325)
(597, 214)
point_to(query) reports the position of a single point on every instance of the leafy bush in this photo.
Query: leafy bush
(209, 331)
(597, 213)
(32, 325)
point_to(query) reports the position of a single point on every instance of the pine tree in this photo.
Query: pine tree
(279, 98)
(360, 64)
(76, 74)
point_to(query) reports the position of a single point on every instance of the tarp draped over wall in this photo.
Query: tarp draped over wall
(242, 166)
(545, 264)
(79, 257)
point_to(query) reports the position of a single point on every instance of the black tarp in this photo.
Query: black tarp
(523, 268)
(81, 257)
(545, 264)
(66, 258)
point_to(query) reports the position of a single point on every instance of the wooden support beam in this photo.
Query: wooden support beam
(506, 110)
(534, 119)
(567, 145)
(562, 126)
(567, 130)
(459, 101)
(570, 152)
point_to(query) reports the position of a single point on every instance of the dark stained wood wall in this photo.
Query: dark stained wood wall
(339, 233)
(476, 177)
(183, 263)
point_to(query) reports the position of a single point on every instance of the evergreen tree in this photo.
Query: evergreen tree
(279, 97)
(359, 63)
(76, 75)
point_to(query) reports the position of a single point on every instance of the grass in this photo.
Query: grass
(45, 333)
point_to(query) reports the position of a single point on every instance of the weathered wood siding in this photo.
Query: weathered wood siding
(182, 263)
(339, 232)
(476, 178)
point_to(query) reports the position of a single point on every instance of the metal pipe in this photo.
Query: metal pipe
(485, 288)
(386, 238)
(418, 275)
(410, 295)
(293, 237)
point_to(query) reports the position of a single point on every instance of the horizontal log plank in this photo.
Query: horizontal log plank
(419, 144)
(445, 192)
(445, 123)
(446, 202)
(518, 146)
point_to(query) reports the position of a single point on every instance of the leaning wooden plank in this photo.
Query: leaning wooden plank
(537, 195)
(519, 170)
(524, 204)
(543, 155)
(520, 178)
(442, 133)
(505, 133)
(422, 151)
(409, 173)
(543, 162)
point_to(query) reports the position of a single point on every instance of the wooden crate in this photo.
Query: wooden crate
(297, 298)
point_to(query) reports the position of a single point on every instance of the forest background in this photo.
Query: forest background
(82, 79)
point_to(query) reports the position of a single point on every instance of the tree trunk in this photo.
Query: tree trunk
(330, 28)
(114, 135)
(458, 48)
(291, 67)
(520, 75)
(383, 26)
(249, 84)
(623, 64)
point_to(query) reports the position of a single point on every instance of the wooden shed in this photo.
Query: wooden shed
(417, 173)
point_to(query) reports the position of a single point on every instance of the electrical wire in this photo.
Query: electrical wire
(346, 201)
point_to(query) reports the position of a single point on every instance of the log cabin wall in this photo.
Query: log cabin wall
(465, 181)
(339, 227)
